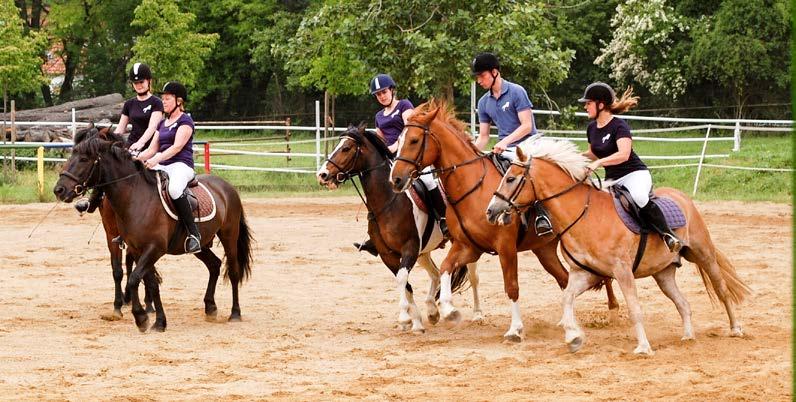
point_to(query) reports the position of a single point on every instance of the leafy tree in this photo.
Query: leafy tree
(171, 45)
(19, 53)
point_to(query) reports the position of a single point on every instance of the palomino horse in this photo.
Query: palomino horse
(101, 162)
(396, 225)
(599, 244)
(433, 136)
(111, 231)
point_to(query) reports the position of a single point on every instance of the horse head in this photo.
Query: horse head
(357, 152)
(81, 171)
(509, 197)
(414, 152)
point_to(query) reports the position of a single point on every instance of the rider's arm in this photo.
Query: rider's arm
(483, 136)
(525, 127)
(589, 154)
(154, 119)
(122, 127)
(152, 150)
(182, 137)
(624, 145)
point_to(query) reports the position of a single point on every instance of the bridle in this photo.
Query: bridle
(346, 173)
(81, 186)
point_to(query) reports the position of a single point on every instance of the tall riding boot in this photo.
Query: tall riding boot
(653, 216)
(542, 222)
(368, 246)
(438, 204)
(193, 242)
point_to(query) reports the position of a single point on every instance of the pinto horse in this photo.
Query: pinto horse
(598, 244)
(111, 231)
(433, 136)
(395, 224)
(102, 163)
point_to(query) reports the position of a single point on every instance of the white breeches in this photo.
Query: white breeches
(639, 184)
(179, 176)
(428, 179)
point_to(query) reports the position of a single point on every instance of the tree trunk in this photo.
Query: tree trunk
(70, 66)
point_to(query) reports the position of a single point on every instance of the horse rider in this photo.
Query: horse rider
(390, 121)
(507, 105)
(611, 146)
(171, 150)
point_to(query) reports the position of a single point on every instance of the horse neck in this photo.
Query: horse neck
(376, 182)
(121, 193)
(549, 180)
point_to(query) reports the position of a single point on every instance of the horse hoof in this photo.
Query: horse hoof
(142, 321)
(158, 327)
(150, 309)
(736, 332)
(575, 344)
(513, 338)
(115, 316)
(234, 318)
(478, 317)
(643, 350)
(211, 316)
(454, 318)
(433, 318)
(418, 331)
(687, 338)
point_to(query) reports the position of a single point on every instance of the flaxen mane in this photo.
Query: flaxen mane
(563, 153)
(446, 115)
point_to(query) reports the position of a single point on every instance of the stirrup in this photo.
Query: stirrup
(542, 225)
(367, 245)
(443, 227)
(119, 241)
(198, 244)
(672, 242)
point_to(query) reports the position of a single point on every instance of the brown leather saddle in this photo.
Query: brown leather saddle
(199, 197)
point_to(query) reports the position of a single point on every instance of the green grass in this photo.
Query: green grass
(757, 150)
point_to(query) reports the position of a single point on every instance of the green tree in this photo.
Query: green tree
(170, 44)
(20, 64)
(426, 47)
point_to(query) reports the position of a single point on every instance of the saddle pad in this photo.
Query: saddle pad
(674, 216)
(417, 199)
(205, 206)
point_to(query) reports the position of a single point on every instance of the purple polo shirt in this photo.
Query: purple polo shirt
(166, 136)
(392, 124)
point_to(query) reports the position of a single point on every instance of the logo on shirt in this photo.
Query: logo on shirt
(171, 127)
(148, 108)
(394, 113)
(607, 136)
(505, 106)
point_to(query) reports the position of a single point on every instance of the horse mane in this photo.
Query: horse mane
(93, 146)
(373, 138)
(563, 153)
(446, 114)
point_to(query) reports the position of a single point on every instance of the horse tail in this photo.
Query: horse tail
(736, 289)
(244, 257)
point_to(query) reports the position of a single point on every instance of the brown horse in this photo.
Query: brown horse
(433, 136)
(132, 192)
(598, 243)
(402, 233)
(111, 232)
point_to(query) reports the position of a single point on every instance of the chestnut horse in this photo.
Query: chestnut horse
(395, 224)
(598, 243)
(433, 136)
(101, 162)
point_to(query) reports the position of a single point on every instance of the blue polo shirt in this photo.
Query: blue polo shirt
(503, 111)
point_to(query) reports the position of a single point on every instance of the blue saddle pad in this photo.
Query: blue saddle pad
(674, 216)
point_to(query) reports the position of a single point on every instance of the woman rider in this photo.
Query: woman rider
(611, 146)
(171, 151)
(143, 111)
(390, 121)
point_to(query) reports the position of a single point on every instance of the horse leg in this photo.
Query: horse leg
(111, 230)
(472, 276)
(628, 285)
(142, 266)
(427, 263)
(406, 302)
(414, 312)
(458, 256)
(579, 281)
(548, 257)
(213, 264)
(152, 287)
(668, 285)
(714, 265)
(129, 262)
(508, 264)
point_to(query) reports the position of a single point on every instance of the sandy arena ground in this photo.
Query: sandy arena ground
(319, 321)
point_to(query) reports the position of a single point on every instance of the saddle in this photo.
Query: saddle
(628, 211)
(419, 195)
(501, 163)
(202, 202)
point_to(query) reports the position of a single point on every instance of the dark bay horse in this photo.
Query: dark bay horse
(111, 232)
(395, 224)
(433, 136)
(600, 241)
(102, 162)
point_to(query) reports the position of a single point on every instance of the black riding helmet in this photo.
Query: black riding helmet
(599, 92)
(484, 62)
(139, 72)
(176, 89)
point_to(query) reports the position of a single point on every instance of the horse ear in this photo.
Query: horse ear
(90, 125)
(521, 155)
(361, 127)
(425, 119)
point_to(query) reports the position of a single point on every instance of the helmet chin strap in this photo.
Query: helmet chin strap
(494, 78)
(392, 98)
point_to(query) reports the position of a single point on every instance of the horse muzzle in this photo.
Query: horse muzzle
(497, 213)
(63, 194)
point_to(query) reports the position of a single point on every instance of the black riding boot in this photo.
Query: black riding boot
(438, 204)
(368, 246)
(542, 222)
(193, 242)
(653, 216)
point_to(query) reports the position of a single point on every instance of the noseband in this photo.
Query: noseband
(81, 187)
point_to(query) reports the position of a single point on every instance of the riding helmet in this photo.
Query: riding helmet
(139, 72)
(599, 92)
(484, 62)
(380, 82)
(176, 89)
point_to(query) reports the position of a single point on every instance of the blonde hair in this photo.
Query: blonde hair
(625, 103)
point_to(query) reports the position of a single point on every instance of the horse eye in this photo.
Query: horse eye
(83, 159)
(413, 141)
(346, 149)
(510, 179)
